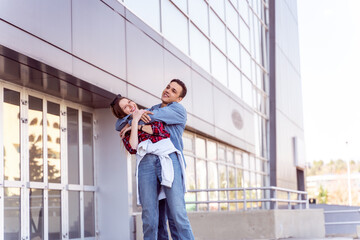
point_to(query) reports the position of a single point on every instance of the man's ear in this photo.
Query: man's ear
(179, 99)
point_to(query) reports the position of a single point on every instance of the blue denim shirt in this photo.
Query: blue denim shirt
(173, 115)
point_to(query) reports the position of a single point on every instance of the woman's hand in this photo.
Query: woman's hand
(124, 131)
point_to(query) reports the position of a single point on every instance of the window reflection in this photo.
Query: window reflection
(36, 214)
(74, 215)
(233, 49)
(148, 10)
(73, 145)
(12, 214)
(234, 79)
(200, 147)
(175, 26)
(244, 35)
(88, 158)
(53, 146)
(199, 48)
(198, 11)
(217, 31)
(11, 135)
(218, 66)
(89, 214)
(232, 184)
(213, 184)
(201, 182)
(244, 10)
(223, 184)
(190, 183)
(36, 161)
(232, 19)
(219, 8)
(245, 62)
(54, 215)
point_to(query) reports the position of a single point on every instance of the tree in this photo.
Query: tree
(323, 195)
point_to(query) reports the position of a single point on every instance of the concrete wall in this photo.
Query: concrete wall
(261, 224)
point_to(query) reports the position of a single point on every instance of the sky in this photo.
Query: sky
(329, 39)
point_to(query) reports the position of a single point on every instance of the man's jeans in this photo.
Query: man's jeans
(164, 216)
(149, 186)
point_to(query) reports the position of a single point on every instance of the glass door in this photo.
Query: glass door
(47, 183)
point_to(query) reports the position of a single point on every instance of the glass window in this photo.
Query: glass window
(247, 91)
(244, 35)
(54, 214)
(221, 152)
(213, 184)
(175, 26)
(190, 183)
(199, 48)
(74, 215)
(233, 49)
(238, 159)
(217, 31)
(201, 174)
(246, 179)
(53, 146)
(148, 10)
(190, 173)
(244, 10)
(223, 184)
(232, 184)
(89, 214)
(11, 135)
(245, 62)
(88, 157)
(201, 180)
(219, 8)
(230, 155)
(211, 150)
(73, 145)
(36, 214)
(188, 142)
(200, 148)
(198, 11)
(218, 66)
(234, 79)
(182, 4)
(36, 161)
(257, 40)
(12, 213)
(232, 19)
(246, 161)
(252, 163)
(239, 178)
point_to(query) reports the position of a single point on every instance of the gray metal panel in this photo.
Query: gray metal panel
(145, 61)
(99, 36)
(113, 172)
(49, 20)
(32, 46)
(203, 98)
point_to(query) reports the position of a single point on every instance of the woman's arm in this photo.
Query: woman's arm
(134, 139)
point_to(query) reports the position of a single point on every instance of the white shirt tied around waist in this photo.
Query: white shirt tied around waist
(162, 149)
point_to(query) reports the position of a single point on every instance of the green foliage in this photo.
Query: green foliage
(322, 197)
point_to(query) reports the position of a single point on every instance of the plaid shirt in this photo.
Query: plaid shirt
(159, 133)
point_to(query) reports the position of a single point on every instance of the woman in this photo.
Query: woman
(154, 139)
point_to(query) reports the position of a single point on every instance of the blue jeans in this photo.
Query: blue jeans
(164, 216)
(149, 178)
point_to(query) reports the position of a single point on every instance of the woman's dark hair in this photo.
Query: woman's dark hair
(115, 107)
(182, 84)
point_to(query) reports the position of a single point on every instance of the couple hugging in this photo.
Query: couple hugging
(155, 136)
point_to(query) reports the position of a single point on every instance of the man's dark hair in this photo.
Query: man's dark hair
(183, 86)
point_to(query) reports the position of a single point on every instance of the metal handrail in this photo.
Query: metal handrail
(302, 198)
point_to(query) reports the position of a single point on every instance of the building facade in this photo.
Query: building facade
(62, 63)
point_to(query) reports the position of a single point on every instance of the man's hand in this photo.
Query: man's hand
(124, 130)
(145, 116)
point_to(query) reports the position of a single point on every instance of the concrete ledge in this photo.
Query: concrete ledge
(254, 224)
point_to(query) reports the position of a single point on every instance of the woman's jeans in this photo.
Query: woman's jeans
(149, 186)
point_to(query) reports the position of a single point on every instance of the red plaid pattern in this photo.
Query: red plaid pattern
(159, 133)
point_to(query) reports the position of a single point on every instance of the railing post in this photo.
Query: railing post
(245, 204)
(289, 204)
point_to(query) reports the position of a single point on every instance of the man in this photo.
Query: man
(173, 115)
